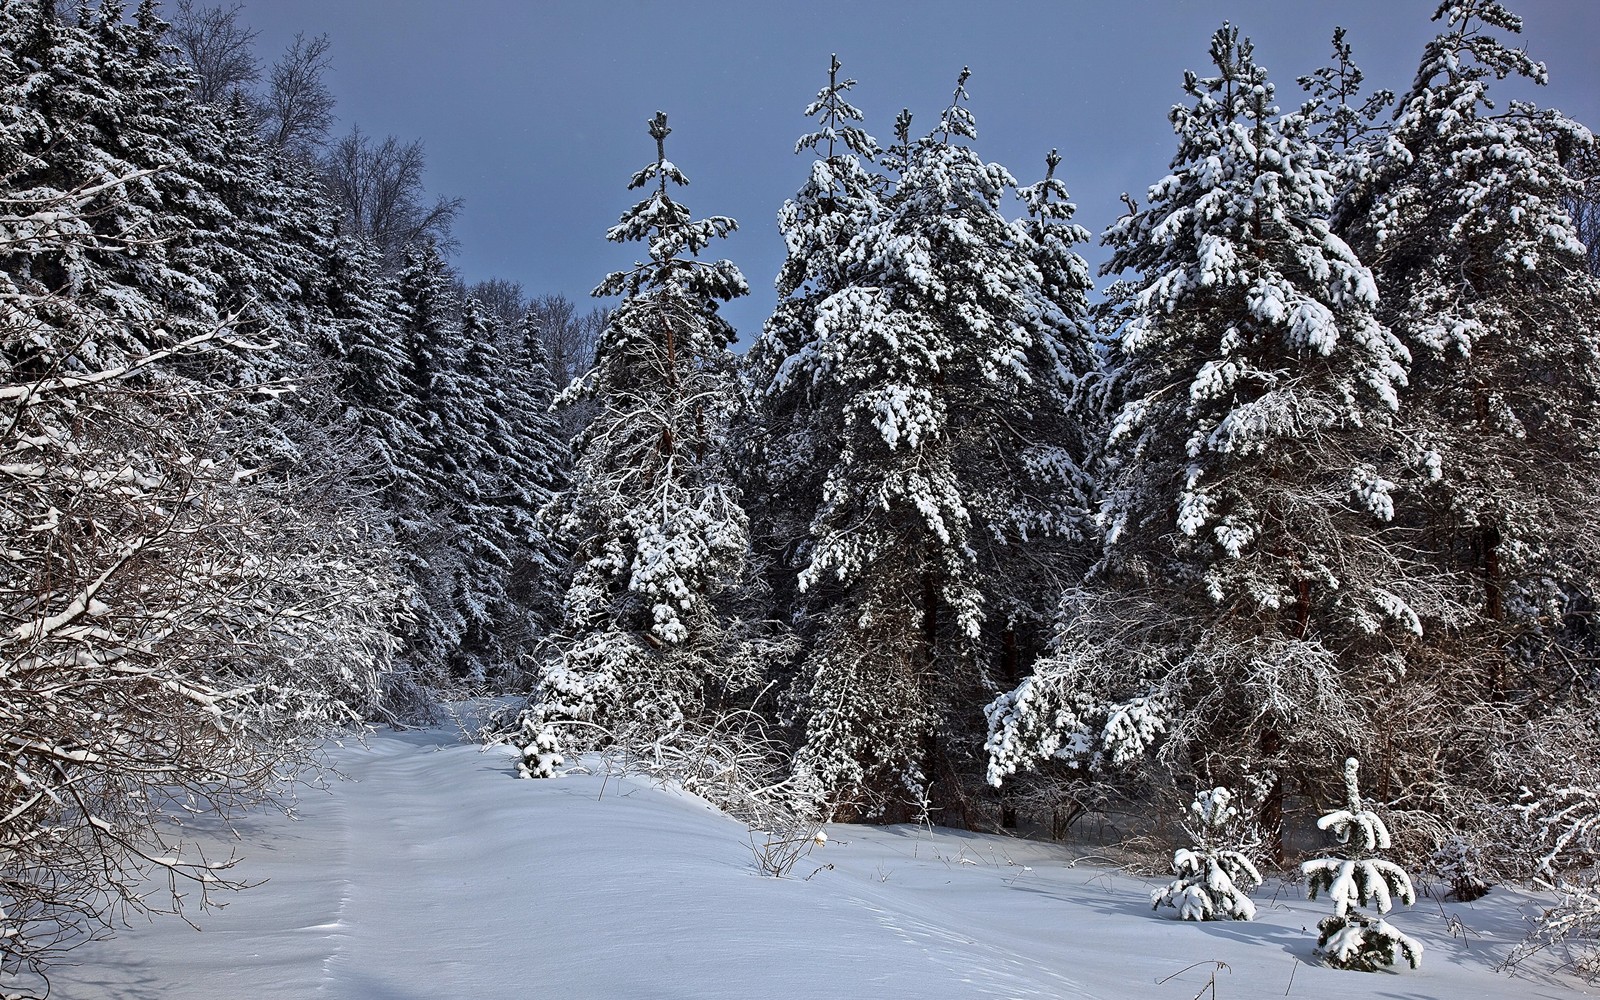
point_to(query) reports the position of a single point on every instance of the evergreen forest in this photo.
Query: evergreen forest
(967, 533)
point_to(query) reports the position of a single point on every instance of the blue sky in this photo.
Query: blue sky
(534, 111)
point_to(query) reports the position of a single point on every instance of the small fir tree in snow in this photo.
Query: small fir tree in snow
(1215, 874)
(1351, 939)
(541, 757)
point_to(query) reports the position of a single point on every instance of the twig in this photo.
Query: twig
(1211, 984)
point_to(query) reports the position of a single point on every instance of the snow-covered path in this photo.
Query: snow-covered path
(434, 874)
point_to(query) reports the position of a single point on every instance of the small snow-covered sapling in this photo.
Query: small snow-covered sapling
(541, 757)
(1214, 874)
(1351, 939)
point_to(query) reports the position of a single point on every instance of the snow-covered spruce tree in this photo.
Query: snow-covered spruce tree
(652, 518)
(794, 423)
(1463, 214)
(1350, 939)
(369, 369)
(1040, 537)
(437, 535)
(1215, 875)
(501, 516)
(537, 461)
(480, 481)
(946, 362)
(506, 574)
(1244, 595)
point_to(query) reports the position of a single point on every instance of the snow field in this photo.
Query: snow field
(434, 873)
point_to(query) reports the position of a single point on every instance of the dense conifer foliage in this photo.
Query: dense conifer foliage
(917, 377)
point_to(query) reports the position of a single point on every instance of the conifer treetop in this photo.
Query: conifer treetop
(1335, 102)
(1048, 200)
(897, 156)
(957, 118)
(672, 237)
(1464, 37)
(1360, 829)
(834, 114)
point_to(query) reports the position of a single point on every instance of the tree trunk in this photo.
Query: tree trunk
(1272, 802)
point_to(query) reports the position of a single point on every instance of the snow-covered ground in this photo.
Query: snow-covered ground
(433, 873)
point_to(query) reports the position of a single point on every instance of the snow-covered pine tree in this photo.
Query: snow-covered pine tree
(1463, 213)
(1339, 118)
(478, 499)
(1215, 875)
(1350, 939)
(947, 359)
(549, 451)
(652, 518)
(505, 573)
(1243, 591)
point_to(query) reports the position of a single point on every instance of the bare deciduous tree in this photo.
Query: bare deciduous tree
(297, 109)
(218, 46)
(379, 192)
(501, 299)
(569, 337)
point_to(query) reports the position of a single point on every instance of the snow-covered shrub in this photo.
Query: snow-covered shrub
(1350, 939)
(1573, 924)
(1551, 833)
(1214, 874)
(1459, 863)
(182, 626)
(1554, 825)
(730, 760)
(779, 849)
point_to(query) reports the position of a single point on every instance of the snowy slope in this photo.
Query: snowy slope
(433, 873)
